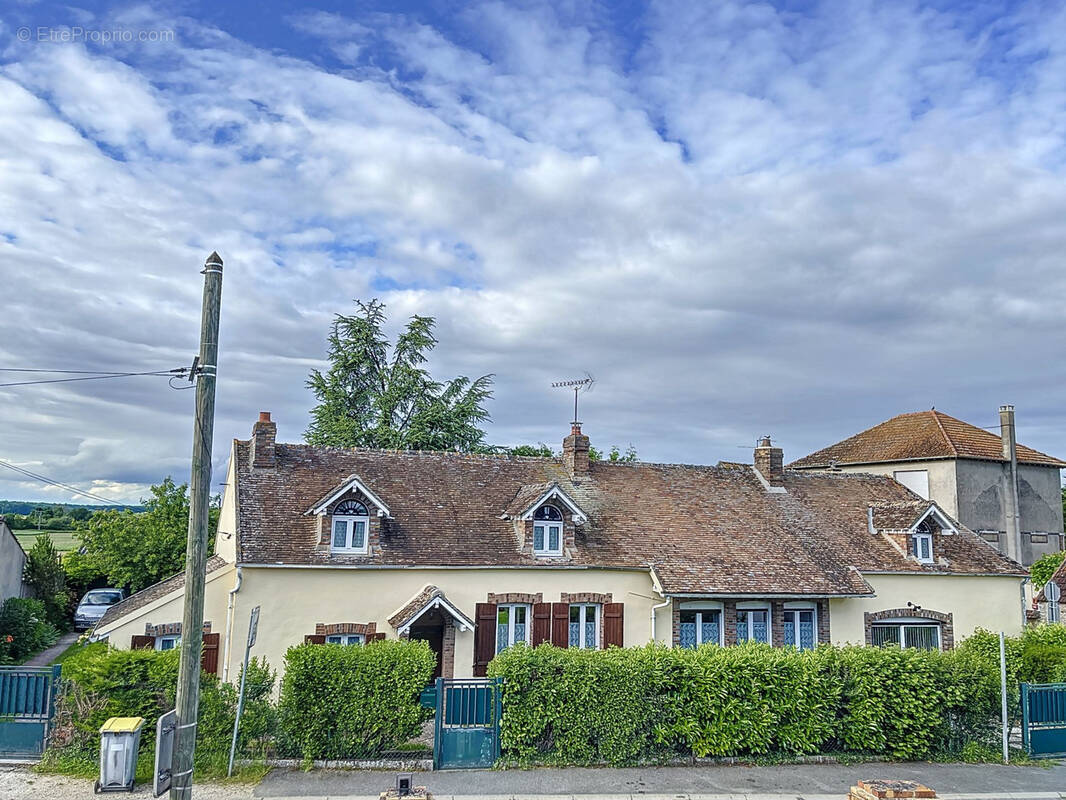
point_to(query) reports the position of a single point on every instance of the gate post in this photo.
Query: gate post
(1025, 717)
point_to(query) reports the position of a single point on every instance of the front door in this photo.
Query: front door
(433, 635)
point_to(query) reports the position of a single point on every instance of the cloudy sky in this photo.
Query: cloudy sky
(797, 219)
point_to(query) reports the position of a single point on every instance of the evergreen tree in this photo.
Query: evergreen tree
(45, 576)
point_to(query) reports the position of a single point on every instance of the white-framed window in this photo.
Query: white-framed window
(800, 628)
(547, 531)
(346, 638)
(920, 634)
(753, 625)
(700, 626)
(921, 543)
(351, 528)
(169, 642)
(584, 626)
(512, 625)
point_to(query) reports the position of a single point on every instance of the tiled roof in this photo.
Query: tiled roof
(703, 529)
(919, 436)
(1058, 578)
(154, 592)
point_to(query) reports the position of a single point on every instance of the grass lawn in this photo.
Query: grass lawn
(64, 541)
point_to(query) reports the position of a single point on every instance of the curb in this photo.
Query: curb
(687, 796)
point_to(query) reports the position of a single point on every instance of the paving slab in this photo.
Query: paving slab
(807, 781)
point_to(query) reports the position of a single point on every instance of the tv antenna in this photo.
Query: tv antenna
(580, 385)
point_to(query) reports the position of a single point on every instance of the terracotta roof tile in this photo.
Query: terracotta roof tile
(922, 435)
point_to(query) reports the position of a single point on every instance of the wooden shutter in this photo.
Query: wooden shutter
(209, 655)
(542, 624)
(142, 642)
(375, 637)
(314, 638)
(612, 624)
(561, 624)
(484, 637)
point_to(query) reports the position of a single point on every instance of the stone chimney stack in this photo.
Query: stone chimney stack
(264, 432)
(576, 451)
(1012, 521)
(770, 461)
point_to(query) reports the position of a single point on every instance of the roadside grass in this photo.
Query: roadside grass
(64, 541)
(87, 766)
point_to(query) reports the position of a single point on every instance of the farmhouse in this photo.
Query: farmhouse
(473, 553)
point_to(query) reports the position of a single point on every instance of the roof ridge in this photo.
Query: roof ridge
(936, 415)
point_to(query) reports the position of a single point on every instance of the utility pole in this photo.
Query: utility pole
(192, 623)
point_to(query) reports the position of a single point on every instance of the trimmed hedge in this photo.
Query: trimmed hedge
(625, 705)
(352, 702)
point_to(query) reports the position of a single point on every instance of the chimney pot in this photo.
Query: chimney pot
(264, 416)
(770, 461)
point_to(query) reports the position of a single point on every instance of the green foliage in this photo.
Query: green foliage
(45, 576)
(614, 454)
(135, 550)
(539, 450)
(99, 682)
(368, 398)
(352, 702)
(1044, 567)
(24, 630)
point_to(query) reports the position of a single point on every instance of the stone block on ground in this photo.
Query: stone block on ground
(882, 789)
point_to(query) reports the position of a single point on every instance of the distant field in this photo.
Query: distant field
(63, 540)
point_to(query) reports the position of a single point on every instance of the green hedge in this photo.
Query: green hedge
(352, 702)
(24, 629)
(99, 682)
(625, 705)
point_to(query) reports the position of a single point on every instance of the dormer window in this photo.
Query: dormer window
(921, 544)
(351, 528)
(547, 531)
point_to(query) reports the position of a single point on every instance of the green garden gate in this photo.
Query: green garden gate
(467, 728)
(27, 702)
(1044, 719)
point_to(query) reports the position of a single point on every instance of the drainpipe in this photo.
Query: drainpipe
(666, 601)
(229, 623)
(870, 519)
(1025, 606)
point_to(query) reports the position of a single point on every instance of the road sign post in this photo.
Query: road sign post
(253, 630)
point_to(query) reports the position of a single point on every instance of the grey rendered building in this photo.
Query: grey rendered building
(1008, 493)
(12, 563)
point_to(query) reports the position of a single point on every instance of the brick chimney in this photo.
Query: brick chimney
(264, 432)
(576, 451)
(770, 461)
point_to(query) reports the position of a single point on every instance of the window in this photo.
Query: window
(167, 642)
(346, 638)
(918, 634)
(512, 625)
(351, 521)
(799, 630)
(547, 531)
(585, 626)
(702, 626)
(922, 543)
(753, 625)
(917, 480)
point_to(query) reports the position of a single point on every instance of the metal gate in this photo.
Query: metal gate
(27, 702)
(467, 728)
(1044, 719)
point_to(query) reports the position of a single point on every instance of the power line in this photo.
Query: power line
(97, 377)
(58, 484)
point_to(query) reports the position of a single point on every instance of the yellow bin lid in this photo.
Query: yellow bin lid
(122, 725)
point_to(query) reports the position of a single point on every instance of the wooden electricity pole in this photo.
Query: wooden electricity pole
(192, 623)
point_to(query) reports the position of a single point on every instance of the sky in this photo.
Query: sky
(796, 219)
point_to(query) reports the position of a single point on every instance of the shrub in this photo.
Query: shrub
(45, 576)
(24, 629)
(352, 702)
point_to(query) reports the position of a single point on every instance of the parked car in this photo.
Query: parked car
(93, 606)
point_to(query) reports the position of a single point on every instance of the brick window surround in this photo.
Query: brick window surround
(169, 629)
(586, 597)
(514, 597)
(947, 626)
(336, 628)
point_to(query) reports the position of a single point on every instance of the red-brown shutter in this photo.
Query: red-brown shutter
(612, 624)
(209, 655)
(142, 642)
(561, 624)
(484, 637)
(542, 624)
(375, 637)
(314, 638)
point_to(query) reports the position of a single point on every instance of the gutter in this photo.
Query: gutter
(229, 623)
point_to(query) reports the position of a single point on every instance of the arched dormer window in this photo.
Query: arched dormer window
(351, 528)
(922, 542)
(547, 531)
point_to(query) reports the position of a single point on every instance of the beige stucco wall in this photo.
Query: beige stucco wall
(993, 603)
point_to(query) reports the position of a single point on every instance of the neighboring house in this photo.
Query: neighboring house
(1043, 612)
(1013, 503)
(473, 553)
(12, 563)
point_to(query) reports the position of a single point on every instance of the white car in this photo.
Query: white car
(93, 606)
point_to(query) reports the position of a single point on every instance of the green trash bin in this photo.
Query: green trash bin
(120, 739)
